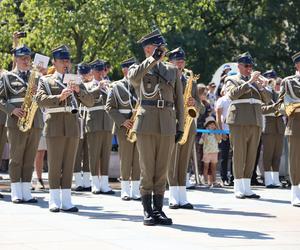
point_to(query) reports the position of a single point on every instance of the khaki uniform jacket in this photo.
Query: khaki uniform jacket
(290, 90)
(62, 123)
(13, 86)
(2, 114)
(120, 90)
(97, 120)
(244, 113)
(148, 77)
(198, 104)
(273, 124)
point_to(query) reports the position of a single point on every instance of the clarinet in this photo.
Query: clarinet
(74, 104)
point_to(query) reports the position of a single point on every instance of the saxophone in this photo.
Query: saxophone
(130, 134)
(189, 112)
(29, 105)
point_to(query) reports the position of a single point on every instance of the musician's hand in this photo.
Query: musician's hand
(191, 102)
(75, 88)
(65, 93)
(127, 124)
(42, 70)
(18, 112)
(34, 89)
(158, 53)
(254, 76)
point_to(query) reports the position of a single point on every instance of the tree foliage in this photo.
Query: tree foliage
(211, 32)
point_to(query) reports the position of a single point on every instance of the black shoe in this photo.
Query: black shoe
(33, 200)
(54, 210)
(17, 201)
(186, 206)
(173, 206)
(126, 198)
(191, 187)
(296, 205)
(79, 189)
(87, 189)
(148, 212)
(137, 199)
(108, 192)
(159, 216)
(96, 192)
(252, 196)
(271, 186)
(1, 196)
(240, 196)
(71, 210)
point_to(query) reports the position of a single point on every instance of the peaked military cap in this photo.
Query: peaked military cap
(296, 57)
(84, 68)
(154, 38)
(176, 54)
(97, 65)
(245, 58)
(128, 62)
(61, 52)
(22, 50)
(270, 74)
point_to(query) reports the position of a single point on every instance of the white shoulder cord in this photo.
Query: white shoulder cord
(292, 93)
(148, 95)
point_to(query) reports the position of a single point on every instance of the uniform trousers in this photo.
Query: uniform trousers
(61, 152)
(99, 149)
(294, 159)
(23, 148)
(155, 153)
(272, 150)
(245, 140)
(178, 167)
(82, 160)
(3, 138)
(129, 158)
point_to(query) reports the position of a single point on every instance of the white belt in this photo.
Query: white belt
(14, 100)
(96, 108)
(125, 111)
(59, 110)
(249, 101)
(272, 114)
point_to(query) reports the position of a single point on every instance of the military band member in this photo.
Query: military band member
(159, 89)
(98, 128)
(178, 168)
(290, 96)
(245, 122)
(81, 168)
(120, 104)
(272, 136)
(23, 145)
(61, 128)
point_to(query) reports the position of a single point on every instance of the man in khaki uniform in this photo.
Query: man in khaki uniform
(23, 145)
(159, 89)
(61, 128)
(245, 122)
(290, 95)
(272, 136)
(82, 180)
(98, 128)
(178, 168)
(120, 104)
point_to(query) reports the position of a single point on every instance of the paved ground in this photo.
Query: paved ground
(105, 222)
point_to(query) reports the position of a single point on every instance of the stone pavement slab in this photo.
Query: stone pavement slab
(219, 221)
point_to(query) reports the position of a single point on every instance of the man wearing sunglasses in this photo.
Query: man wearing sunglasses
(245, 122)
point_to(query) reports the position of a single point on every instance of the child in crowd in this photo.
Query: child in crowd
(210, 143)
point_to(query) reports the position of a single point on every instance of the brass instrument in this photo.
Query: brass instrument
(29, 105)
(290, 105)
(130, 134)
(189, 112)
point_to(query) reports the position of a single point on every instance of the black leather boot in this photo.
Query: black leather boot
(159, 216)
(148, 213)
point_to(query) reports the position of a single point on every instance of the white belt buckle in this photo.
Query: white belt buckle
(251, 101)
(160, 104)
